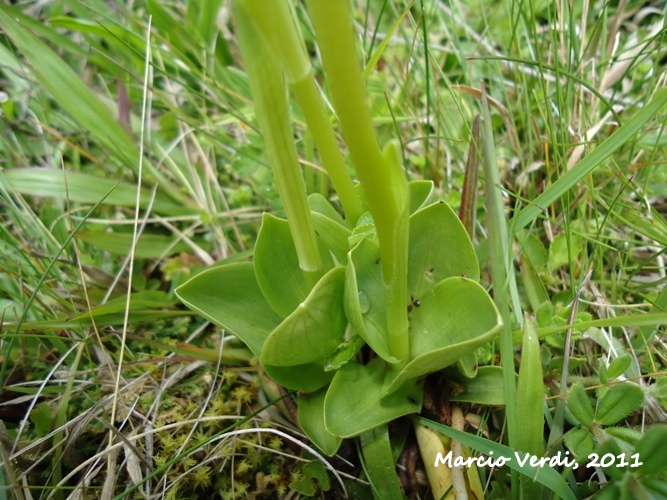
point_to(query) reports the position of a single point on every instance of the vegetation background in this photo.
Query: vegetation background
(130, 160)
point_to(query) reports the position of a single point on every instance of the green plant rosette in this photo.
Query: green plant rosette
(309, 341)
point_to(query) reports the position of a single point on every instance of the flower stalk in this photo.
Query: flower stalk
(272, 110)
(381, 174)
(277, 22)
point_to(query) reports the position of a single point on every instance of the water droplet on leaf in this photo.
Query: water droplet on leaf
(364, 303)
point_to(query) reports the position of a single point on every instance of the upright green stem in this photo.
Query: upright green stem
(272, 109)
(381, 176)
(276, 21)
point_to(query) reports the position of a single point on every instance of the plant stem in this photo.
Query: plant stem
(276, 20)
(272, 110)
(381, 175)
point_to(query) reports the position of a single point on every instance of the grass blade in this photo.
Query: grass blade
(83, 188)
(67, 88)
(586, 165)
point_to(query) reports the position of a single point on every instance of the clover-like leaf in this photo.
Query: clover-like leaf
(230, 297)
(618, 402)
(652, 450)
(356, 401)
(618, 366)
(579, 406)
(580, 442)
(453, 319)
(439, 248)
(315, 328)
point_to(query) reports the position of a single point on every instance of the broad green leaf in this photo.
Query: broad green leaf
(364, 297)
(619, 401)
(565, 182)
(319, 204)
(315, 328)
(485, 389)
(421, 194)
(355, 402)
(309, 377)
(333, 236)
(546, 475)
(304, 486)
(439, 248)
(84, 188)
(380, 467)
(149, 246)
(365, 229)
(453, 319)
(579, 406)
(311, 419)
(277, 266)
(530, 403)
(613, 448)
(652, 450)
(230, 297)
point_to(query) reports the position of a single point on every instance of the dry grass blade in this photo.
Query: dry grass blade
(108, 487)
